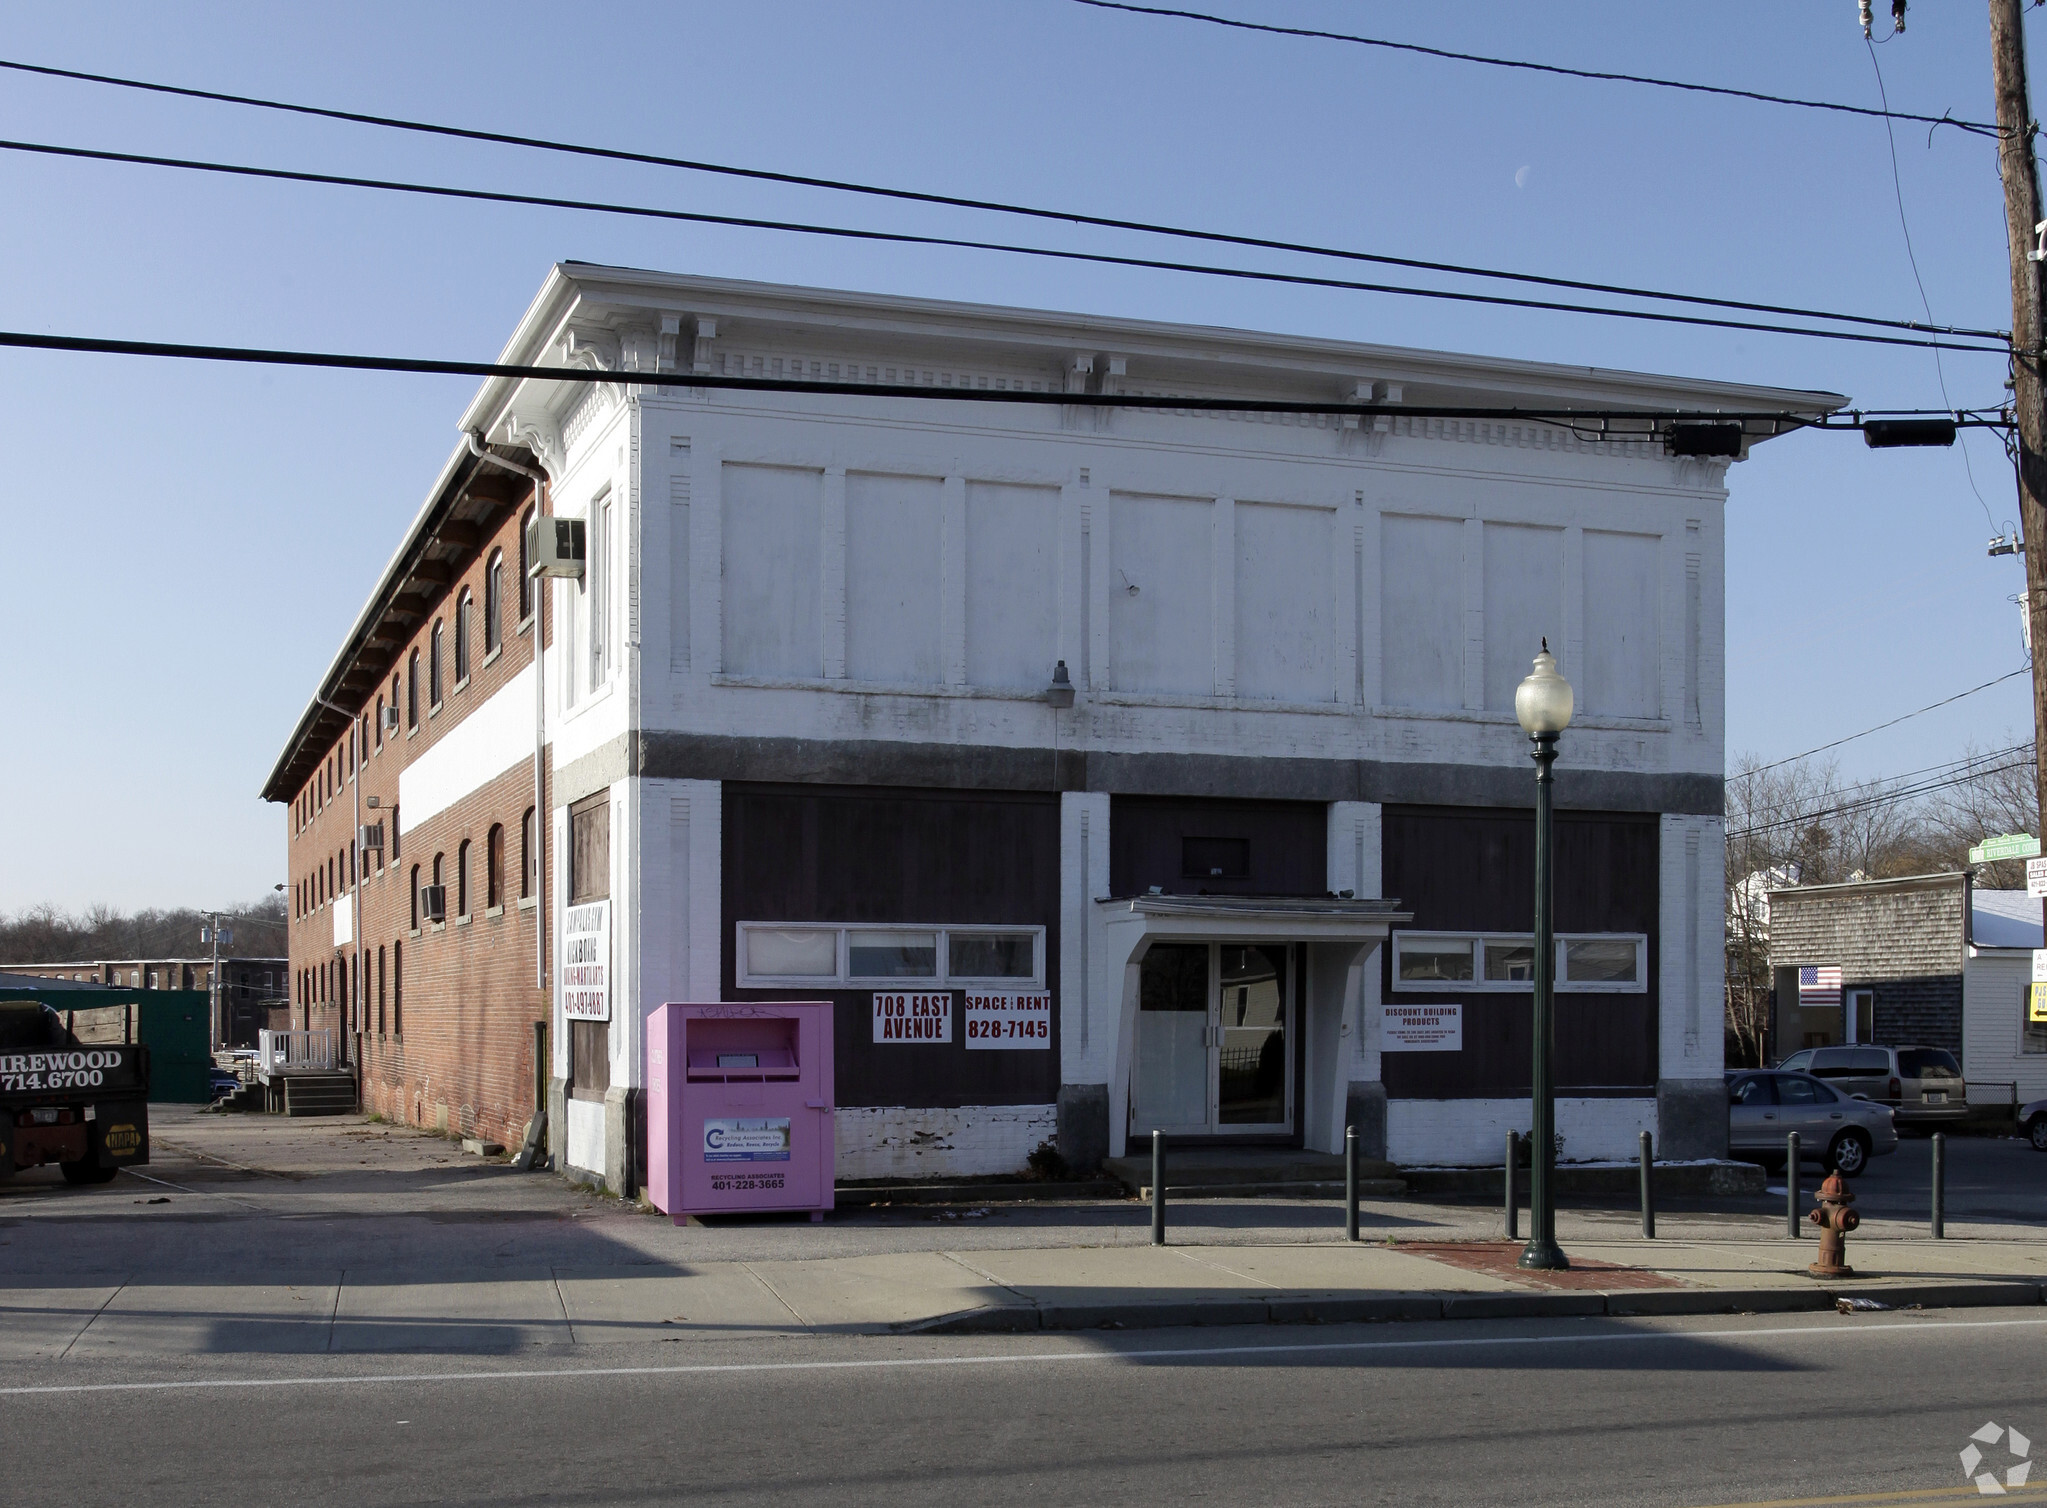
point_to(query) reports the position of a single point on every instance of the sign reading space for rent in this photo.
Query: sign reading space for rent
(1424, 1028)
(997, 1021)
(913, 1018)
(586, 961)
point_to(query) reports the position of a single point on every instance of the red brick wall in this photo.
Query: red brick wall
(464, 1060)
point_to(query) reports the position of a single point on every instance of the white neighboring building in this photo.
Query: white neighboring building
(799, 722)
(2000, 1045)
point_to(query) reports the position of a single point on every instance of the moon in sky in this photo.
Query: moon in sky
(1521, 175)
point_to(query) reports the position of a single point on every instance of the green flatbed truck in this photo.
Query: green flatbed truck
(74, 1090)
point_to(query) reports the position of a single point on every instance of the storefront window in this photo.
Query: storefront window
(792, 953)
(1601, 960)
(1510, 959)
(991, 955)
(892, 955)
(1433, 959)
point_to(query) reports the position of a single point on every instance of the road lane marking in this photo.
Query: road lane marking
(1157, 1353)
(1967, 1492)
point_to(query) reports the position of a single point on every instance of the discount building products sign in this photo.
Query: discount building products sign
(1424, 1028)
(586, 962)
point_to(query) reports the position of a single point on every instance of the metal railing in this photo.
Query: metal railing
(287, 1052)
(1990, 1092)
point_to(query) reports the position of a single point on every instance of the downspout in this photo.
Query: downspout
(540, 813)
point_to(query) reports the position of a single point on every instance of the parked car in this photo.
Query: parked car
(2033, 1121)
(223, 1082)
(1841, 1131)
(1922, 1085)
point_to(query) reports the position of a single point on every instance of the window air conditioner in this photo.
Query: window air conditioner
(554, 546)
(371, 835)
(391, 718)
(433, 902)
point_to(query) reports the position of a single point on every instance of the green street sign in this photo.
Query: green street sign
(2010, 846)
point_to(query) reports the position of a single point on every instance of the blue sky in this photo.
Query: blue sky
(189, 542)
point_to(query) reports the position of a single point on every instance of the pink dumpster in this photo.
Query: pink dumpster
(739, 1108)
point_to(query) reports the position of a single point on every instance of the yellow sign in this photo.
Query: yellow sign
(123, 1140)
(2036, 1002)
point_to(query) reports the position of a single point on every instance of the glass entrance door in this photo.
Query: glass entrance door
(1212, 1049)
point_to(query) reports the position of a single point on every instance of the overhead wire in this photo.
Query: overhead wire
(906, 238)
(1912, 259)
(1892, 723)
(1881, 798)
(991, 206)
(1976, 127)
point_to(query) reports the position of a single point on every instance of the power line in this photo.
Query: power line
(1883, 797)
(1903, 717)
(991, 206)
(905, 238)
(1980, 128)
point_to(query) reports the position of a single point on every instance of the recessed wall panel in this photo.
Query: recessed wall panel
(1622, 674)
(1421, 611)
(892, 577)
(771, 541)
(1285, 611)
(1161, 594)
(1012, 585)
(1524, 603)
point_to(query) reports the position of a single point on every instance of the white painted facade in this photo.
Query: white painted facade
(1291, 593)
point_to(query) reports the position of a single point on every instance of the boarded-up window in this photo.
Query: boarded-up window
(1421, 612)
(892, 613)
(590, 880)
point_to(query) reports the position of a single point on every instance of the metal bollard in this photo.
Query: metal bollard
(1939, 1185)
(1513, 1205)
(1791, 1184)
(1158, 1188)
(1350, 1183)
(1648, 1187)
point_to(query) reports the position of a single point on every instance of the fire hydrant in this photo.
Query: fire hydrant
(1835, 1217)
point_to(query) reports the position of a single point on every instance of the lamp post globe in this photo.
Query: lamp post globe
(1543, 704)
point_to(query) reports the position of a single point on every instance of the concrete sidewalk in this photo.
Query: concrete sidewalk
(1053, 1288)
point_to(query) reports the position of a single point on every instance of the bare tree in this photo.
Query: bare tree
(45, 934)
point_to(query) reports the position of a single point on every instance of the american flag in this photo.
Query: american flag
(1819, 987)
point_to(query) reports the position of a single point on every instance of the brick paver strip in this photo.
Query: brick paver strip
(1498, 1259)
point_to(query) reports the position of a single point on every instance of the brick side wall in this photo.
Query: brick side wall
(1904, 944)
(464, 1061)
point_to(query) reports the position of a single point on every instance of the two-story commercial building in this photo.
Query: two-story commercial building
(1179, 739)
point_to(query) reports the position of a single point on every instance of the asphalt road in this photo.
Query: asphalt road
(1732, 1410)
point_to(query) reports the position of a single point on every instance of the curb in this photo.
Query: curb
(1342, 1309)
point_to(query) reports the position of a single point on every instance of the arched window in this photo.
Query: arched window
(527, 854)
(494, 867)
(462, 879)
(462, 604)
(380, 719)
(398, 989)
(494, 602)
(433, 666)
(525, 564)
(415, 897)
(382, 997)
(412, 690)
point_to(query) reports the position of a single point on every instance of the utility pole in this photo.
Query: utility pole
(215, 1028)
(2021, 174)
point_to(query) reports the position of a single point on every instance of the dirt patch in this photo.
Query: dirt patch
(1498, 1258)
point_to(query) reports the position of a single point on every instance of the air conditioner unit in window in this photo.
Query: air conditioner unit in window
(391, 718)
(433, 902)
(372, 836)
(554, 546)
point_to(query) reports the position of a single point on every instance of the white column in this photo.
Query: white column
(952, 580)
(832, 573)
(1222, 583)
(707, 557)
(1474, 613)
(1088, 1006)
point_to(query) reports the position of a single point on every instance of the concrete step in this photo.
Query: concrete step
(319, 1094)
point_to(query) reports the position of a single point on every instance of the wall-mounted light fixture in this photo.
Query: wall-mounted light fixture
(1060, 692)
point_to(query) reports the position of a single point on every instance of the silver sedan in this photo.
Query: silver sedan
(1843, 1133)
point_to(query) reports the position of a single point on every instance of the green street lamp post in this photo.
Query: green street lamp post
(1542, 705)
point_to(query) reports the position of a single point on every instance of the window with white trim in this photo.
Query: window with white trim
(825, 956)
(1586, 962)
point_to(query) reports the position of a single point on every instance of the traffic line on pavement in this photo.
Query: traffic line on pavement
(1033, 1358)
(1967, 1492)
